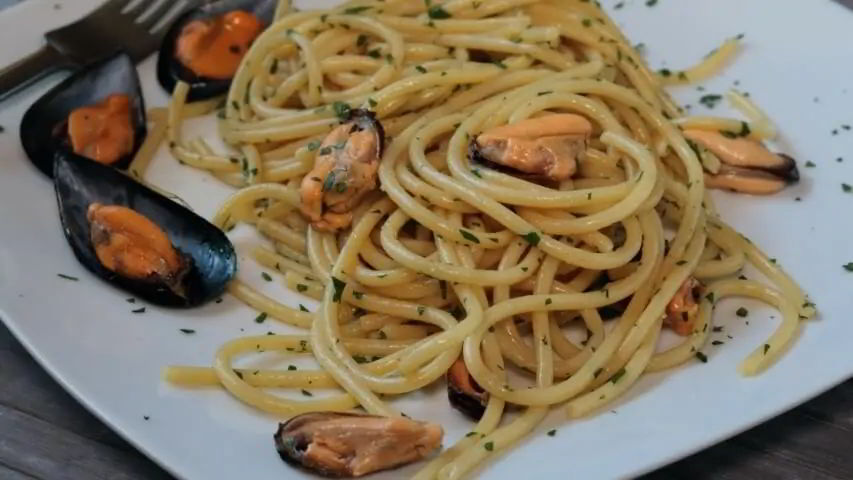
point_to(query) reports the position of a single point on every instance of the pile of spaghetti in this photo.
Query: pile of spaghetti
(450, 257)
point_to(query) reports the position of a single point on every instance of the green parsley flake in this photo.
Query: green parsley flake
(532, 238)
(339, 286)
(437, 13)
(469, 236)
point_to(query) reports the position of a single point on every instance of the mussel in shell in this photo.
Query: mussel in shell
(352, 445)
(205, 46)
(98, 112)
(138, 239)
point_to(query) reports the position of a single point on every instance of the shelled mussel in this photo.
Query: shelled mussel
(345, 171)
(98, 113)
(351, 445)
(204, 47)
(747, 166)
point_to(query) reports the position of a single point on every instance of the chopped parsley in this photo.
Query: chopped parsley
(261, 318)
(810, 164)
(138, 310)
(421, 69)
(301, 287)
(291, 368)
(342, 110)
(187, 331)
(710, 100)
(313, 145)
(849, 267)
(702, 357)
(742, 312)
(551, 433)
(303, 309)
(846, 188)
(489, 446)
(421, 310)
(307, 393)
(532, 238)
(339, 286)
(435, 12)
(766, 348)
(266, 276)
(67, 277)
(469, 236)
(618, 375)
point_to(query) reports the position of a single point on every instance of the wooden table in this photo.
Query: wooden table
(46, 434)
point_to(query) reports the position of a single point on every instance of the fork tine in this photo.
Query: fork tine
(114, 5)
(138, 9)
(156, 14)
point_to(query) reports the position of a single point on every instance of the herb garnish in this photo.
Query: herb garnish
(437, 13)
(187, 331)
(618, 375)
(261, 318)
(67, 277)
(339, 286)
(532, 238)
(342, 110)
(469, 236)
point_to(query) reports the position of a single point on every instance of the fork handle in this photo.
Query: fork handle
(29, 69)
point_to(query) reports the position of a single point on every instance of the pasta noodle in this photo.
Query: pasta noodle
(452, 257)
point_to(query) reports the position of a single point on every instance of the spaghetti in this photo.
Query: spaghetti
(451, 257)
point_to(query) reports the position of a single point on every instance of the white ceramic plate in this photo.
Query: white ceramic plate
(797, 64)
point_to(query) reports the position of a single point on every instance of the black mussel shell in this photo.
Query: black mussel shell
(291, 445)
(170, 70)
(463, 392)
(788, 171)
(366, 120)
(209, 255)
(43, 128)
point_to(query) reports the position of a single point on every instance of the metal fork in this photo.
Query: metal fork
(135, 27)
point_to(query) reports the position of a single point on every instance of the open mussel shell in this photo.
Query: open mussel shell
(169, 68)
(208, 255)
(44, 126)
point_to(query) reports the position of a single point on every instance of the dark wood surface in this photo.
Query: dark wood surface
(46, 434)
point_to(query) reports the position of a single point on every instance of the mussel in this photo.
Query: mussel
(352, 445)
(546, 147)
(345, 171)
(747, 165)
(463, 392)
(683, 309)
(205, 46)
(98, 112)
(138, 239)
